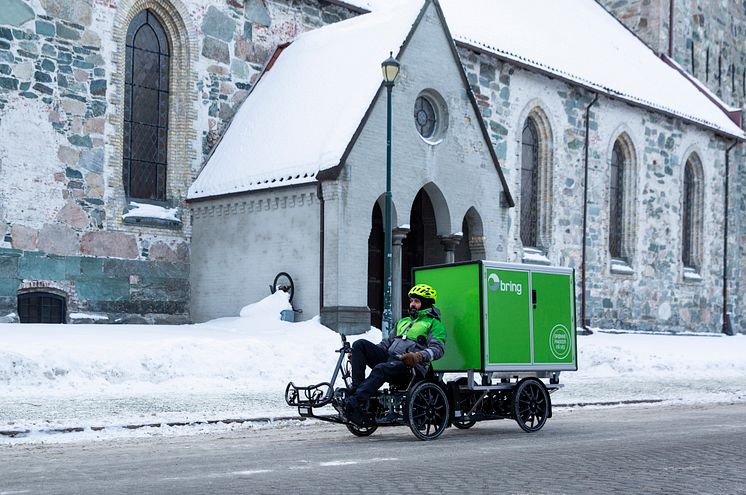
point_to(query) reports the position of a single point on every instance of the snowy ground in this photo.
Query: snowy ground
(103, 378)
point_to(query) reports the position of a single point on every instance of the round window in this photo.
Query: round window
(424, 117)
(430, 116)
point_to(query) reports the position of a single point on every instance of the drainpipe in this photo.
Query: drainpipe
(726, 321)
(320, 195)
(670, 28)
(583, 324)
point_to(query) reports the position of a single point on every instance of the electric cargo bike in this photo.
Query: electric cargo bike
(510, 333)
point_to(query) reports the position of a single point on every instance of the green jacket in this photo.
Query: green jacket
(427, 325)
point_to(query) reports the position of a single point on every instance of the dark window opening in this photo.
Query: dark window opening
(146, 108)
(694, 72)
(616, 203)
(529, 184)
(41, 307)
(733, 79)
(707, 64)
(688, 218)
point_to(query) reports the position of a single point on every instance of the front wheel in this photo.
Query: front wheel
(427, 411)
(531, 405)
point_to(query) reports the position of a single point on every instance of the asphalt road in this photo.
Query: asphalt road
(652, 449)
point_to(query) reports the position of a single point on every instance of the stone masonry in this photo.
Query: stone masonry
(61, 103)
(62, 200)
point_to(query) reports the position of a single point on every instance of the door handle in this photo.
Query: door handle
(533, 297)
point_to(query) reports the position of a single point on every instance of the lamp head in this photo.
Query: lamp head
(390, 68)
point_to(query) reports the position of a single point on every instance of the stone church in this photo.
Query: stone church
(163, 160)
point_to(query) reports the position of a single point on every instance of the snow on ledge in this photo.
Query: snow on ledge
(621, 267)
(86, 316)
(692, 276)
(144, 210)
(534, 256)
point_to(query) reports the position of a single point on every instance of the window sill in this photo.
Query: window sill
(690, 275)
(151, 215)
(534, 256)
(621, 267)
(152, 222)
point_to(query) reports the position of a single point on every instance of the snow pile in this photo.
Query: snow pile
(256, 352)
(270, 307)
(662, 356)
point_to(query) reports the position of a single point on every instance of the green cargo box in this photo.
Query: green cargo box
(504, 316)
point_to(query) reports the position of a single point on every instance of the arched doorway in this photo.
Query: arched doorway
(375, 267)
(422, 246)
(471, 246)
(462, 251)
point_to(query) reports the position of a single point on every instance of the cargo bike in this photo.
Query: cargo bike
(510, 333)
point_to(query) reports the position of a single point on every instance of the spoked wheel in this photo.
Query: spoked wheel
(530, 405)
(427, 411)
(462, 424)
(361, 431)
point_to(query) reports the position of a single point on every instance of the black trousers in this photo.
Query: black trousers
(386, 368)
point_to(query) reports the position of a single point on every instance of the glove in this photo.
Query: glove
(412, 358)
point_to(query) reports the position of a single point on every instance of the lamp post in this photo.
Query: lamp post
(390, 68)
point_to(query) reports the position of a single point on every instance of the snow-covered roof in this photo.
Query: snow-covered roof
(298, 120)
(579, 41)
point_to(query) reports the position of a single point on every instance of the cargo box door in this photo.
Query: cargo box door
(553, 319)
(508, 339)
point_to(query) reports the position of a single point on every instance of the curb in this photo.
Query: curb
(266, 419)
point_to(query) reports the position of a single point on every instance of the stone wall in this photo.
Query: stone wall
(652, 291)
(62, 200)
(61, 106)
(708, 38)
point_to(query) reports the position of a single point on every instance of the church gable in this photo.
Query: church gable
(438, 131)
(302, 114)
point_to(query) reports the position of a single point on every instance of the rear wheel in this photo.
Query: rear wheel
(530, 405)
(427, 411)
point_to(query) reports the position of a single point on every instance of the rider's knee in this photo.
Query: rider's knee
(358, 345)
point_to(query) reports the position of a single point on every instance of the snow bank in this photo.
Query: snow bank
(256, 352)
(88, 375)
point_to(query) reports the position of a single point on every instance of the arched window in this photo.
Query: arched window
(146, 95)
(616, 202)
(529, 183)
(622, 204)
(41, 307)
(692, 215)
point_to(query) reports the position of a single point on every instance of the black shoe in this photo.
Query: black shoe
(353, 412)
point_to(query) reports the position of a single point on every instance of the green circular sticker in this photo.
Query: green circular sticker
(559, 341)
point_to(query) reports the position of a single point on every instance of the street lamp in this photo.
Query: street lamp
(390, 68)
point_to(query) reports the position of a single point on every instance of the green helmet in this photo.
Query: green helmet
(423, 291)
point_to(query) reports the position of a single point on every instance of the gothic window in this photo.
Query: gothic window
(146, 99)
(616, 202)
(622, 203)
(529, 183)
(692, 213)
(41, 307)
